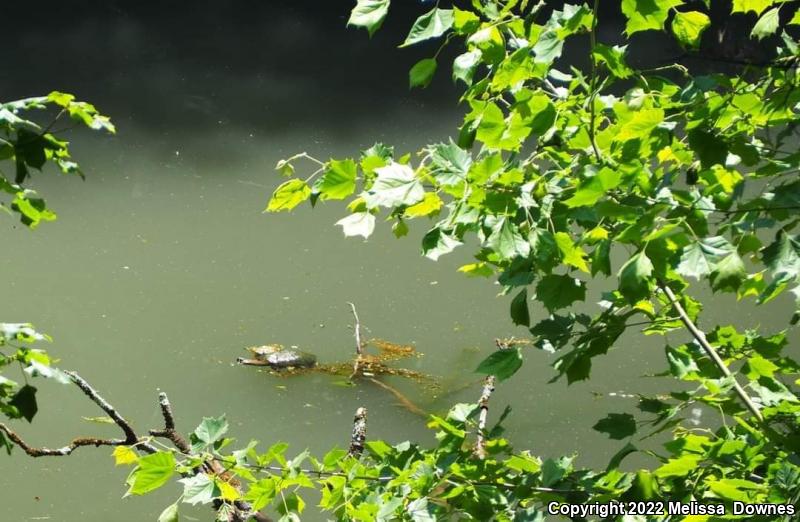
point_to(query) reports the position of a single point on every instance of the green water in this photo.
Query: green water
(162, 268)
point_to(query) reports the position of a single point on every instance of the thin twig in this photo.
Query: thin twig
(593, 81)
(483, 404)
(359, 344)
(359, 435)
(700, 337)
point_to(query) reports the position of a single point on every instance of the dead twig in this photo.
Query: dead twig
(404, 401)
(483, 404)
(359, 344)
(169, 432)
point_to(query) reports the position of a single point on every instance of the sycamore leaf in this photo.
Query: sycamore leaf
(729, 273)
(464, 66)
(211, 429)
(519, 309)
(170, 514)
(594, 188)
(573, 255)
(644, 15)
(369, 14)
(437, 243)
(477, 270)
(756, 6)
(288, 195)
(198, 489)
(432, 24)
(614, 58)
(640, 125)
(358, 224)
(767, 24)
(339, 180)
(430, 205)
(700, 258)
(502, 363)
(507, 241)
(635, 277)
(422, 73)
(679, 467)
(152, 472)
(124, 455)
(560, 291)
(689, 27)
(395, 185)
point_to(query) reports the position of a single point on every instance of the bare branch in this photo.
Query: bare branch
(483, 404)
(700, 337)
(131, 439)
(169, 431)
(58, 452)
(359, 433)
(402, 399)
(357, 328)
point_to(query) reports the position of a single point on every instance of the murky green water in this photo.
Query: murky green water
(162, 268)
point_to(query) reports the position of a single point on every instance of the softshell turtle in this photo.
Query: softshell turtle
(277, 357)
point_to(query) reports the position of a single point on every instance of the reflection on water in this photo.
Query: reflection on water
(162, 268)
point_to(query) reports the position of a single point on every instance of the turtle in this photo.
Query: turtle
(278, 358)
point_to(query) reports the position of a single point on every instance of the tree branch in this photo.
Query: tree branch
(131, 439)
(359, 433)
(700, 337)
(169, 431)
(359, 344)
(483, 404)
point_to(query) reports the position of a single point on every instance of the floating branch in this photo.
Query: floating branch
(402, 399)
(483, 404)
(359, 433)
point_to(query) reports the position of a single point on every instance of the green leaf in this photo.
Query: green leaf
(711, 149)
(614, 58)
(782, 256)
(645, 15)
(501, 363)
(449, 163)
(211, 429)
(358, 224)
(152, 472)
(767, 24)
(464, 66)
(560, 291)
(422, 73)
(728, 274)
(744, 6)
(199, 489)
(635, 277)
(465, 22)
(688, 28)
(339, 180)
(679, 467)
(288, 195)
(594, 188)
(640, 125)
(573, 255)
(261, 493)
(681, 363)
(477, 270)
(519, 309)
(170, 514)
(25, 402)
(507, 241)
(700, 258)
(369, 14)
(437, 243)
(395, 185)
(432, 24)
(616, 425)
